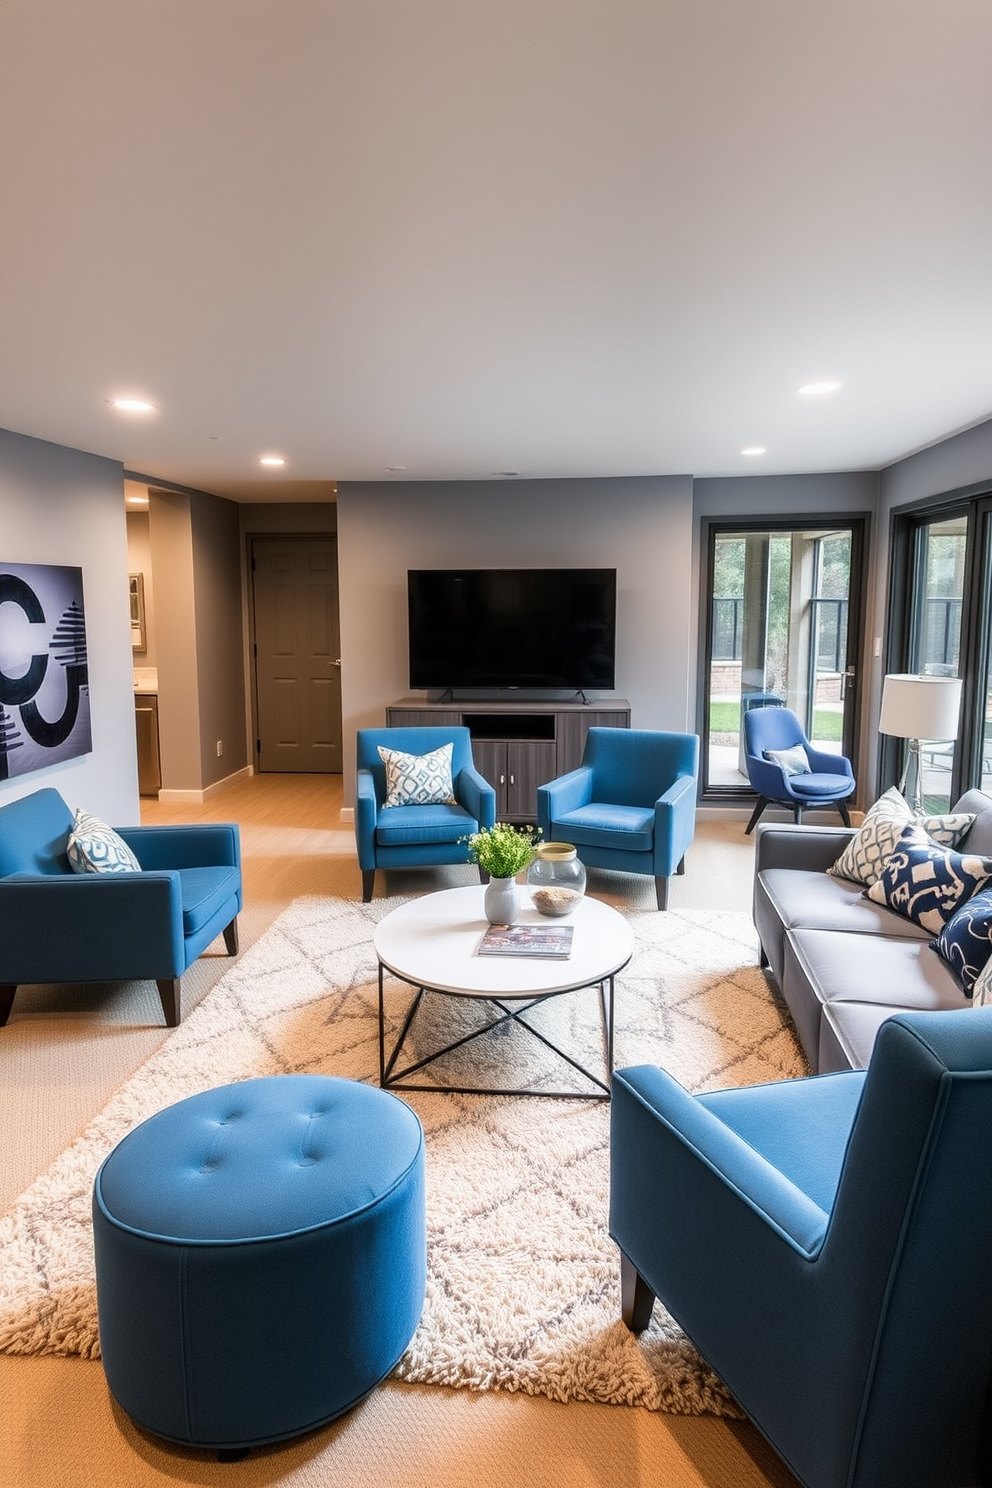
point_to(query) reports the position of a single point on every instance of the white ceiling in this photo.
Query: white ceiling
(558, 237)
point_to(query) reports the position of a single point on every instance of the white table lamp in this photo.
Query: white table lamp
(916, 708)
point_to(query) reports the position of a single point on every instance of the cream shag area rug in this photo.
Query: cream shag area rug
(523, 1280)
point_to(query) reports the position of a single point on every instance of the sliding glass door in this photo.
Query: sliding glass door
(780, 602)
(940, 624)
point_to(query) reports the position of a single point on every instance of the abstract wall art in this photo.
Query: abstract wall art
(44, 683)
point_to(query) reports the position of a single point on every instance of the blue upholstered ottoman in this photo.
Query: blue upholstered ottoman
(260, 1257)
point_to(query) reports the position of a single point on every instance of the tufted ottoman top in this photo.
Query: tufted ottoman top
(259, 1159)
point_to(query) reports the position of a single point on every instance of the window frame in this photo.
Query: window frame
(974, 503)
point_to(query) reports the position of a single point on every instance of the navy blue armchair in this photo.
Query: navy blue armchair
(828, 781)
(415, 836)
(825, 1244)
(61, 926)
(631, 804)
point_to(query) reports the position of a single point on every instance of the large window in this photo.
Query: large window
(939, 625)
(779, 600)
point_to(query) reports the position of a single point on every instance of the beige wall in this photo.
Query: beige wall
(196, 561)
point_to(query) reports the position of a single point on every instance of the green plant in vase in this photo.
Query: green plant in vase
(502, 851)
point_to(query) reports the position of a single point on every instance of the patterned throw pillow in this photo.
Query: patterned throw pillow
(864, 855)
(966, 940)
(418, 779)
(927, 883)
(93, 847)
(793, 761)
(981, 993)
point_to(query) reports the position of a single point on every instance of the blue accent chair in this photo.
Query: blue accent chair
(830, 779)
(631, 804)
(825, 1242)
(60, 926)
(416, 836)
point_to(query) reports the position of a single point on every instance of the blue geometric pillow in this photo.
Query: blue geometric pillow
(93, 847)
(966, 940)
(418, 779)
(927, 883)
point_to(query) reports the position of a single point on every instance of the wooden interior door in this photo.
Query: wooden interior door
(297, 654)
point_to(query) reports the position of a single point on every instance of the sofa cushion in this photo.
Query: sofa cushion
(93, 847)
(926, 882)
(978, 838)
(827, 966)
(965, 942)
(418, 779)
(814, 901)
(863, 857)
(847, 1034)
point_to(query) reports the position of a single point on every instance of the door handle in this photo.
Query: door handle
(335, 663)
(846, 679)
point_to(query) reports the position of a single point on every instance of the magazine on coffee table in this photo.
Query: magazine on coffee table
(552, 942)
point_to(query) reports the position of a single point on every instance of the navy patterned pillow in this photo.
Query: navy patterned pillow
(927, 883)
(966, 940)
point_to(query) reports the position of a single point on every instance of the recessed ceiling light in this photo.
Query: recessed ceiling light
(132, 405)
(272, 460)
(754, 449)
(817, 389)
(508, 474)
(396, 467)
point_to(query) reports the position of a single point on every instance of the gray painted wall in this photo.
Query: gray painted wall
(59, 505)
(640, 526)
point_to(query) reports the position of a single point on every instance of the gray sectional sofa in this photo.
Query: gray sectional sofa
(843, 963)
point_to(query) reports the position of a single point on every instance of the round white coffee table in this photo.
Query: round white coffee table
(432, 943)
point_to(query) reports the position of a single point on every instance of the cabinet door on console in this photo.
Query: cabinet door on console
(490, 761)
(529, 763)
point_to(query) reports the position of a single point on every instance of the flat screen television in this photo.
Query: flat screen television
(496, 628)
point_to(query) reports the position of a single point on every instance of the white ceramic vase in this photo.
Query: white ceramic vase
(502, 901)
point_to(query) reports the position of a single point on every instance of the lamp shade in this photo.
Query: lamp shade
(920, 707)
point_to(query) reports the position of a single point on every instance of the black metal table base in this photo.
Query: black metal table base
(393, 1078)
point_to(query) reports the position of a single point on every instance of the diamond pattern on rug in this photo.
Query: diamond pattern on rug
(523, 1280)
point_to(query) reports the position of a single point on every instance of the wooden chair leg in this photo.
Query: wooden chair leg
(7, 990)
(231, 937)
(759, 807)
(681, 867)
(368, 884)
(170, 991)
(845, 815)
(661, 892)
(636, 1297)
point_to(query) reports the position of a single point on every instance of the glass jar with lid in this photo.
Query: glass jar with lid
(556, 878)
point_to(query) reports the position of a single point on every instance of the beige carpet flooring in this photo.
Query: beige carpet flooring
(64, 1053)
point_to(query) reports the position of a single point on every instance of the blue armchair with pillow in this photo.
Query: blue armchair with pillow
(784, 767)
(418, 796)
(81, 902)
(823, 1242)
